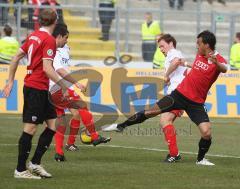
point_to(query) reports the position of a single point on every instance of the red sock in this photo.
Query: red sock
(59, 138)
(74, 128)
(88, 122)
(171, 139)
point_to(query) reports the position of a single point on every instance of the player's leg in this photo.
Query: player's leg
(166, 104)
(197, 113)
(169, 131)
(88, 122)
(44, 142)
(74, 128)
(24, 145)
(48, 113)
(24, 148)
(204, 143)
(31, 118)
(59, 135)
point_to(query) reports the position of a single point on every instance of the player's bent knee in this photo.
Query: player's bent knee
(166, 119)
(205, 129)
(30, 128)
(206, 134)
(75, 114)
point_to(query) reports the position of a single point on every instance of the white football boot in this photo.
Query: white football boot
(25, 175)
(38, 170)
(112, 127)
(204, 162)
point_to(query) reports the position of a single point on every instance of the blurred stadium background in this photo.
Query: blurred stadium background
(125, 36)
(133, 159)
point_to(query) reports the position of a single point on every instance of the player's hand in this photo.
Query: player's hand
(7, 89)
(181, 62)
(82, 87)
(65, 93)
(212, 58)
(166, 80)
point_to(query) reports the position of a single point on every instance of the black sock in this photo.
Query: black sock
(44, 142)
(139, 117)
(204, 146)
(24, 148)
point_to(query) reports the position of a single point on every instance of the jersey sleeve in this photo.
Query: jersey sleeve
(24, 47)
(221, 60)
(49, 48)
(57, 62)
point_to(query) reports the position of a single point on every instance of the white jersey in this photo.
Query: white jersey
(61, 61)
(177, 76)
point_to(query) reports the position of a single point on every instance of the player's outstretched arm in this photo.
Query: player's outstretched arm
(183, 62)
(52, 74)
(67, 76)
(12, 71)
(173, 66)
(222, 67)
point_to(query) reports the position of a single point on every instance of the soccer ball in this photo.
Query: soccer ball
(85, 137)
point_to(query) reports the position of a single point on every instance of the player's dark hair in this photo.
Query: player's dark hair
(47, 17)
(7, 30)
(238, 35)
(208, 38)
(168, 39)
(60, 29)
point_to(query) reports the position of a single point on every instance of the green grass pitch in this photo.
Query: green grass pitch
(132, 160)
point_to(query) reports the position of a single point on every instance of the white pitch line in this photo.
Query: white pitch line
(147, 149)
(162, 150)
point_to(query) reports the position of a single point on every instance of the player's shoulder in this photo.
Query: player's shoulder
(175, 53)
(49, 38)
(220, 57)
(45, 35)
(42, 37)
(63, 50)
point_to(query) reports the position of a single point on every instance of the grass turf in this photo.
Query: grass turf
(115, 167)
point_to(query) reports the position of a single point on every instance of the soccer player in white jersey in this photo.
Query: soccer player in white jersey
(61, 65)
(174, 74)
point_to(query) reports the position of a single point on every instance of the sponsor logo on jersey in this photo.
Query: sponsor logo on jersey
(201, 65)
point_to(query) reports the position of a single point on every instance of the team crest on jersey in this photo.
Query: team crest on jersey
(34, 118)
(50, 52)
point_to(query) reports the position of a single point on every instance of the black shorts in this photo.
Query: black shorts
(37, 107)
(176, 101)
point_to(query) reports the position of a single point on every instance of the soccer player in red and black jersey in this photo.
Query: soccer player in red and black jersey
(40, 48)
(190, 94)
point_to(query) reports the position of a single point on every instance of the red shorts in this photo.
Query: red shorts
(62, 102)
(178, 113)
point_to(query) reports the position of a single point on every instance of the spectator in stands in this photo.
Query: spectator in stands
(235, 53)
(15, 10)
(179, 4)
(106, 17)
(37, 10)
(211, 1)
(150, 29)
(158, 58)
(4, 12)
(8, 45)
